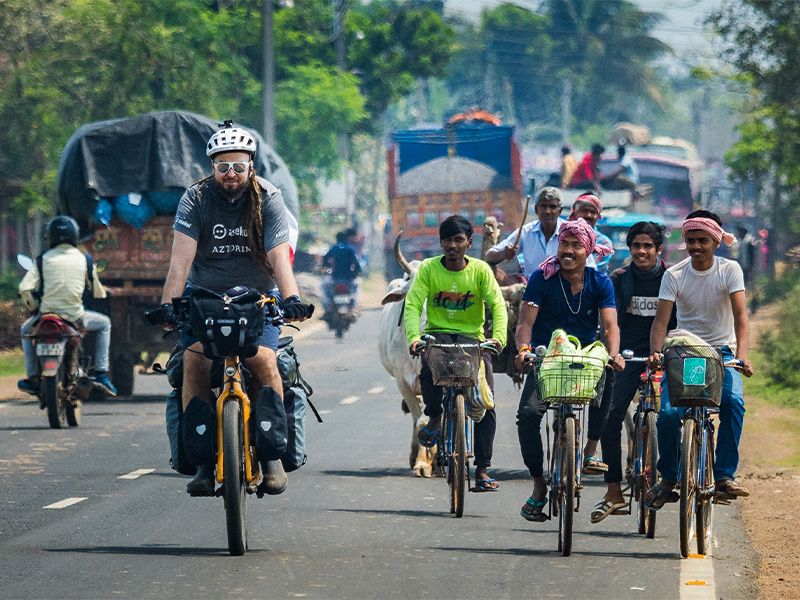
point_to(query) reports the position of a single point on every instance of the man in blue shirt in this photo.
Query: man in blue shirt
(563, 294)
(539, 239)
(342, 260)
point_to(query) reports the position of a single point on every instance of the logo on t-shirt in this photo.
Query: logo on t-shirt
(454, 300)
(219, 231)
(643, 306)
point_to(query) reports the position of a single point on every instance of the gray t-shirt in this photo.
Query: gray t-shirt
(703, 299)
(223, 257)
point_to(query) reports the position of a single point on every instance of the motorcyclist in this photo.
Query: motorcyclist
(231, 230)
(342, 261)
(59, 289)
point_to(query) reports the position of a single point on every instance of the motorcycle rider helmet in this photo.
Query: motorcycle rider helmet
(230, 139)
(62, 230)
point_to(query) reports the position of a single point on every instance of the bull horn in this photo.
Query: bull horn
(398, 255)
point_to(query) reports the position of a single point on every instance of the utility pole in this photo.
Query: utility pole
(339, 13)
(566, 110)
(268, 49)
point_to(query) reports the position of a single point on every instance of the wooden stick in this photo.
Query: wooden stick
(524, 216)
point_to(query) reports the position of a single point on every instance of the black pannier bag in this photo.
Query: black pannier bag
(227, 324)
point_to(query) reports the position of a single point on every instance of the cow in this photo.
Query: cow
(393, 352)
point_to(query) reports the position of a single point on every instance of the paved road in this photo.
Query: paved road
(353, 522)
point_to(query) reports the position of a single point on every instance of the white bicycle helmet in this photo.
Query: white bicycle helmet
(230, 139)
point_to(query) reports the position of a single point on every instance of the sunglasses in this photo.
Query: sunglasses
(224, 167)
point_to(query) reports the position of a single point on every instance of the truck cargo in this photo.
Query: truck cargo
(471, 167)
(130, 165)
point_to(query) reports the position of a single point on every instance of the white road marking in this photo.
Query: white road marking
(66, 502)
(697, 578)
(376, 390)
(136, 474)
(350, 400)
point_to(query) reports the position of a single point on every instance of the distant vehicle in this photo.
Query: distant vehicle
(470, 167)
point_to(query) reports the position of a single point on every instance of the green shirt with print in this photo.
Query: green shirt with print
(455, 300)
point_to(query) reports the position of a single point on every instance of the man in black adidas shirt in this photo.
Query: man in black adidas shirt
(636, 289)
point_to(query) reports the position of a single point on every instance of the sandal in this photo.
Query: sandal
(730, 488)
(426, 437)
(657, 497)
(485, 485)
(604, 508)
(592, 466)
(537, 515)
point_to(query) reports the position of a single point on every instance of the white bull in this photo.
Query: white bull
(393, 351)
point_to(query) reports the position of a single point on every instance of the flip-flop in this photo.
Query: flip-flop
(604, 508)
(661, 497)
(430, 439)
(598, 468)
(485, 485)
(538, 515)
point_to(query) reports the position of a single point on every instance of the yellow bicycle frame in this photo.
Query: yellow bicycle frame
(233, 391)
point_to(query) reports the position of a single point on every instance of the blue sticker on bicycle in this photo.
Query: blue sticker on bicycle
(694, 371)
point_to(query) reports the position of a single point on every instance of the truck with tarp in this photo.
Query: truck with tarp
(470, 167)
(121, 180)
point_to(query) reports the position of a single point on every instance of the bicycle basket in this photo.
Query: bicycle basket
(570, 379)
(454, 360)
(227, 326)
(694, 375)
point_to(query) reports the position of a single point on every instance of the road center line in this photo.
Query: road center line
(376, 390)
(136, 474)
(66, 502)
(349, 400)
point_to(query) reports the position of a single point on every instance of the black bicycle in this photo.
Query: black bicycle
(454, 361)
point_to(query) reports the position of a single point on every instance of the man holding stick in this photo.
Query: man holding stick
(532, 242)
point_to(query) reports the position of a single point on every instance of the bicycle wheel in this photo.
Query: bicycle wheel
(566, 509)
(649, 476)
(688, 471)
(459, 462)
(234, 484)
(705, 504)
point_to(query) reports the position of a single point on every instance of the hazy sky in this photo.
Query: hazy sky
(682, 29)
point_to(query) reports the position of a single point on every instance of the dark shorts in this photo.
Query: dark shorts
(269, 337)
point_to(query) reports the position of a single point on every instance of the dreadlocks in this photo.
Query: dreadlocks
(255, 226)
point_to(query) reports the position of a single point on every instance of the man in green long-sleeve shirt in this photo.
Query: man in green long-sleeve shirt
(455, 288)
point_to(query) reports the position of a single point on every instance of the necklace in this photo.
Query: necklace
(580, 298)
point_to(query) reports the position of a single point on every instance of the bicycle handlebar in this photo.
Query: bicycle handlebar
(428, 338)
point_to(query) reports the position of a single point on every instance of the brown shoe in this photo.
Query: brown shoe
(731, 488)
(275, 479)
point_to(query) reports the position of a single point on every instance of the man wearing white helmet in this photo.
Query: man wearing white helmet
(231, 230)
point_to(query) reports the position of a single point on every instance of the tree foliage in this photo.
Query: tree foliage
(516, 61)
(764, 47)
(64, 63)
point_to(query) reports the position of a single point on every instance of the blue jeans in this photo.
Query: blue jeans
(731, 417)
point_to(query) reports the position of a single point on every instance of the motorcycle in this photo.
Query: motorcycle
(341, 310)
(60, 369)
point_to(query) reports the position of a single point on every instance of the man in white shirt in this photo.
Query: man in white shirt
(539, 239)
(709, 294)
(59, 289)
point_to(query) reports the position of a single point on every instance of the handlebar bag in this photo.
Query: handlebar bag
(225, 326)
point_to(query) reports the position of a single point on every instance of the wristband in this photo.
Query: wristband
(525, 349)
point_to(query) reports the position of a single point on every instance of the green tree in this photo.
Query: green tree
(606, 48)
(763, 46)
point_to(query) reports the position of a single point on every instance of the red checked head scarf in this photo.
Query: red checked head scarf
(585, 199)
(711, 227)
(585, 234)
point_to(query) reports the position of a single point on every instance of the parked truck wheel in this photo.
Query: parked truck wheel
(122, 367)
